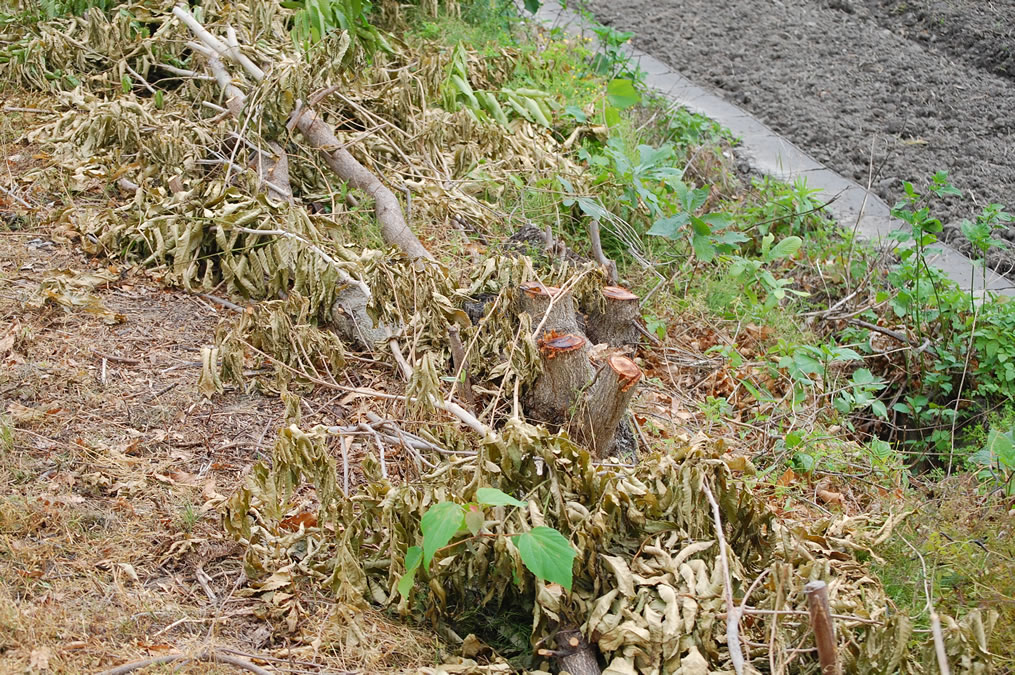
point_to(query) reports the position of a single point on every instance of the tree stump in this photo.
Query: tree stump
(566, 372)
(556, 305)
(617, 324)
(575, 654)
(604, 404)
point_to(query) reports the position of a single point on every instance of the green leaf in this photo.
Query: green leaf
(786, 248)
(577, 113)
(475, 519)
(1003, 447)
(591, 208)
(533, 5)
(669, 227)
(703, 248)
(622, 94)
(412, 559)
(804, 463)
(547, 554)
(493, 497)
(439, 524)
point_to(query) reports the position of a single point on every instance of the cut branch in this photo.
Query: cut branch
(821, 623)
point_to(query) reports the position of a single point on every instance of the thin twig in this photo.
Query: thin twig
(935, 621)
(732, 611)
(16, 198)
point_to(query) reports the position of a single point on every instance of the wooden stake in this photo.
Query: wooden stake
(824, 629)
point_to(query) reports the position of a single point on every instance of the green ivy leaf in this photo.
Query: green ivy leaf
(412, 559)
(439, 524)
(547, 554)
(489, 496)
(622, 94)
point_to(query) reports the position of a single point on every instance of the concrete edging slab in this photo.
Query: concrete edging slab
(771, 154)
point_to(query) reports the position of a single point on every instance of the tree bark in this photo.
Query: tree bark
(551, 309)
(394, 230)
(604, 404)
(566, 372)
(617, 323)
(575, 654)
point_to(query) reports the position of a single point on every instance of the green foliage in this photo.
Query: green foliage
(533, 105)
(543, 550)
(611, 60)
(996, 460)
(55, 8)
(314, 19)
(547, 554)
(621, 94)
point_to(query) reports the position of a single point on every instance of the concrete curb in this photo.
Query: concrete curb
(769, 153)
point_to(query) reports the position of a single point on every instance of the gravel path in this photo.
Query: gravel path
(919, 85)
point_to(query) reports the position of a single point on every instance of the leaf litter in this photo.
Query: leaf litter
(647, 589)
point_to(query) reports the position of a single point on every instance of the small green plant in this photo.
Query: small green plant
(753, 273)
(995, 461)
(189, 517)
(611, 60)
(544, 551)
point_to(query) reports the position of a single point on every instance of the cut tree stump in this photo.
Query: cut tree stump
(566, 372)
(573, 394)
(549, 306)
(604, 404)
(617, 323)
(575, 654)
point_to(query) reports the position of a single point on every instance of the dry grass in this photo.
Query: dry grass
(112, 467)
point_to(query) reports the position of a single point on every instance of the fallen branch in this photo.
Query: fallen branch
(394, 230)
(210, 656)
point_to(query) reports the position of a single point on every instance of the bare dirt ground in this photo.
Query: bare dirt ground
(909, 88)
(114, 468)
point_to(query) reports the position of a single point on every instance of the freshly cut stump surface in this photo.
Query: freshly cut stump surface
(926, 85)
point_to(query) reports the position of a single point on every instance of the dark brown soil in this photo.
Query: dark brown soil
(909, 87)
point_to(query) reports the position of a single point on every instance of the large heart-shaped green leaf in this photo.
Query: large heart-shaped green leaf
(547, 554)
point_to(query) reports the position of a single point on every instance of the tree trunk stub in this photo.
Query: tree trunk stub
(617, 324)
(566, 372)
(575, 654)
(605, 403)
(548, 305)
(572, 393)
